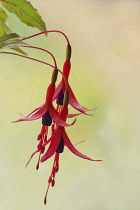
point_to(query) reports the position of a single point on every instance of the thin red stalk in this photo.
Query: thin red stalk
(39, 48)
(33, 60)
(44, 32)
(10, 53)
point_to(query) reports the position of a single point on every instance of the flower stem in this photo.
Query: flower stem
(33, 59)
(38, 48)
(44, 32)
(10, 53)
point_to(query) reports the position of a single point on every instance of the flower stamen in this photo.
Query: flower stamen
(51, 179)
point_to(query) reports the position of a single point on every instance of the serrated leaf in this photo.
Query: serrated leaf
(25, 12)
(3, 15)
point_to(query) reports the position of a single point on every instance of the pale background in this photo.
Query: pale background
(105, 38)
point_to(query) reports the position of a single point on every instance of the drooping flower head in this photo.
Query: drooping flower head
(47, 110)
(53, 143)
(57, 141)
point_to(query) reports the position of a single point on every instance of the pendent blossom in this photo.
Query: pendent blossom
(54, 117)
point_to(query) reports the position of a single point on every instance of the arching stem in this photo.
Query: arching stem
(44, 32)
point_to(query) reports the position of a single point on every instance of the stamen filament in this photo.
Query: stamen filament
(37, 166)
(51, 179)
(45, 198)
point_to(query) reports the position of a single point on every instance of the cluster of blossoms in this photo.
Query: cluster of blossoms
(54, 118)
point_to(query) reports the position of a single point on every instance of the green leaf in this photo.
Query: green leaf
(3, 27)
(7, 37)
(3, 15)
(11, 44)
(2, 31)
(25, 12)
(6, 28)
(11, 41)
(7, 41)
(19, 51)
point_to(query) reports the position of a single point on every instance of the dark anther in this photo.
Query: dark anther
(61, 146)
(60, 98)
(46, 119)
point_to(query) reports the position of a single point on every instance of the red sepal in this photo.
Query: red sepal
(55, 139)
(34, 116)
(73, 149)
(55, 116)
(57, 90)
(74, 103)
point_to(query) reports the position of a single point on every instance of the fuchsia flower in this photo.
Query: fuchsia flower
(57, 141)
(46, 111)
(55, 117)
(59, 92)
(59, 136)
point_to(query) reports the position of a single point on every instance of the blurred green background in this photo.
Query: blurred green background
(105, 38)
